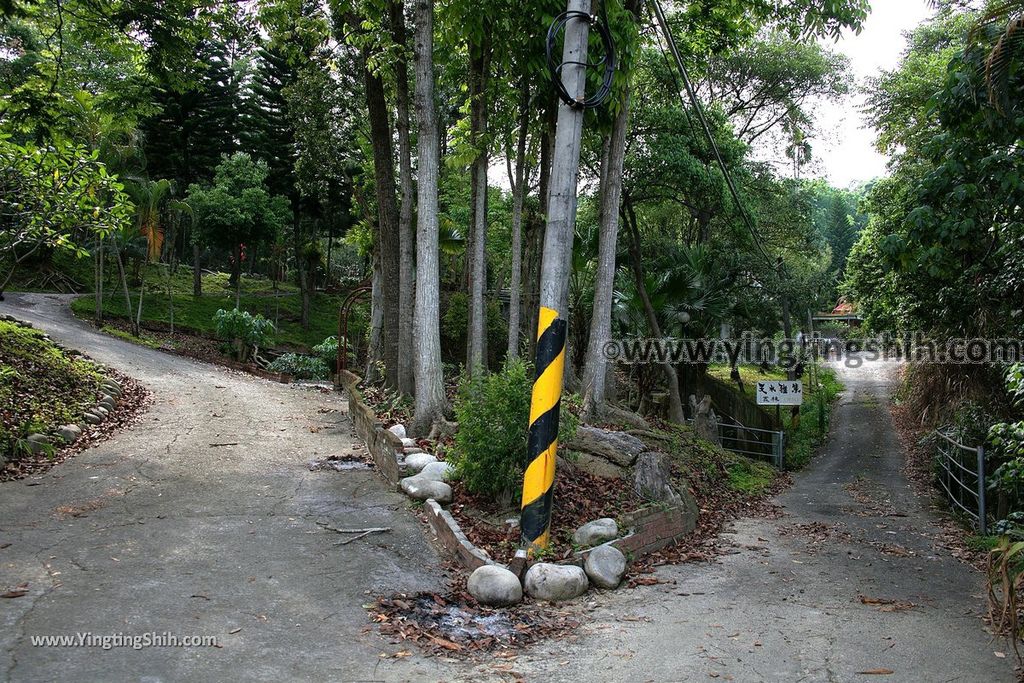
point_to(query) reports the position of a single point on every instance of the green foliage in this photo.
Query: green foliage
(493, 412)
(237, 208)
(327, 351)
(748, 476)
(57, 197)
(301, 366)
(41, 386)
(244, 330)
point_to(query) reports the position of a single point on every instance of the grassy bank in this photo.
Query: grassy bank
(41, 386)
(195, 314)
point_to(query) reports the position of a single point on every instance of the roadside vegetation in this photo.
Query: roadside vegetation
(41, 387)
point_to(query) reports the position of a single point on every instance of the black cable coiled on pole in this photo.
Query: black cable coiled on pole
(600, 25)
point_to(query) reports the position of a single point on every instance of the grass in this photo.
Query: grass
(144, 339)
(41, 387)
(982, 544)
(804, 437)
(195, 315)
(750, 476)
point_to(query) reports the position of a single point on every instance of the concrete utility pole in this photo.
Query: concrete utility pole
(539, 480)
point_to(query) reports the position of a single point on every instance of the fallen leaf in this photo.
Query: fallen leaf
(234, 631)
(1001, 655)
(876, 672)
(14, 594)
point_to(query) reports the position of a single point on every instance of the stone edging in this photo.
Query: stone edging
(382, 444)
(651, 529)
(449, 535)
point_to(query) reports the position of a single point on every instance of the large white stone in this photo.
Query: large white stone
(495, 586)
(397, 430)
(419, 488)
(438, 471)
(556, 582)
(597, 532)
(605, 565)
(417, 461)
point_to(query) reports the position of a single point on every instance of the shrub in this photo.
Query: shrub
(301, 367)
(327, 351)
(493, 412)
(243, 330)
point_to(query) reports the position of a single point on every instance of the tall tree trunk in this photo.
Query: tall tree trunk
(537, 236)
(98, 320)
(375, 348)
(236, 275)
(197, 271)
(430, 398)
(479, 65)
(675, 403)
(388, 237)
(518, 197)
(594, 370)
(407, 237)
(127, 294)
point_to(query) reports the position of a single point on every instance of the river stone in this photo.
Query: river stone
(417, 461)
(411, 451)
(605, 565)
(108, 403)
(419, 488)
(37, 443)
(437, 471)
(101, 411)
(597, 532)
(69, 433)
(494, 586)
(93, 418)
(397, 430)
(556, 582)
(618, 447)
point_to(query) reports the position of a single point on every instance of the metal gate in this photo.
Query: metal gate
(962, 476)
(759, 444)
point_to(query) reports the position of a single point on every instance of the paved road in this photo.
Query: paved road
(199, 540)
(780, 609)
(194, 539)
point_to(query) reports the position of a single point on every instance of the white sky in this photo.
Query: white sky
(844, 146)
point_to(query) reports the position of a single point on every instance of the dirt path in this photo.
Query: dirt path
(159, 531)
(781, 608)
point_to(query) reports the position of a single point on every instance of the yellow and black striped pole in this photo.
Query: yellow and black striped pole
(539, 479)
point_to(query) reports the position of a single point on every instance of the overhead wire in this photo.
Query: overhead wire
(659, 16)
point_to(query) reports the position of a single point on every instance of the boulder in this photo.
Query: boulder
(397, 430)
(705, 422)
(417, 461)
(38, 443)
(652, 479)
(618, 447)
(605, 565)
(437, 471)
(597, 532)
(495, 586)
(419, 488)
(556, 582)
(69, 433)
(597, 466)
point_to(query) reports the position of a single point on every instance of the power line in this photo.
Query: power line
(659, 13)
